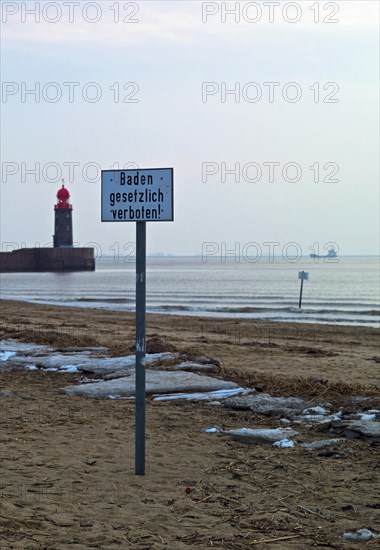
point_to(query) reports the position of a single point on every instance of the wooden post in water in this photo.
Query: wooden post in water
(303, 275)
(300, 300)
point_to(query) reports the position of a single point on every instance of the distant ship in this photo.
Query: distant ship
(331, 253)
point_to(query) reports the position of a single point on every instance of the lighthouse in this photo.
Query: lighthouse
(63, 256)
(63, 228)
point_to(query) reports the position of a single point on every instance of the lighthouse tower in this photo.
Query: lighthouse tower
(63, 227)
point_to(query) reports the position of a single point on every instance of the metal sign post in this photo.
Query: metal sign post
(140, 348)
(138, 196)
(304, 276)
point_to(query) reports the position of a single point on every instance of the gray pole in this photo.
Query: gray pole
(140, 348)
(300, 301)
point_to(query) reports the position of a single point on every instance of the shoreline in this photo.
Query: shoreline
(331, 352)
(205, 314)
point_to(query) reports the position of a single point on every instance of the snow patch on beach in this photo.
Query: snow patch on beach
(5, 355)
(283, 443)
(31, 367)
(200, 396)
(68, 368)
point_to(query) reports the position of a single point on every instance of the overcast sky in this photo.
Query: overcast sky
(284, 95)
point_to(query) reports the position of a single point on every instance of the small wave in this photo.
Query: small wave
(267, 310)
(105, 300)
(350, 312)
(175, 308)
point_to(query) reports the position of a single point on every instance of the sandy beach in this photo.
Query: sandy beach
(68, 462)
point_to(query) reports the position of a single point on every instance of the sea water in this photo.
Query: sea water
(344, 290)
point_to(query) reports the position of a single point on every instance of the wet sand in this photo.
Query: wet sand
(68, 462)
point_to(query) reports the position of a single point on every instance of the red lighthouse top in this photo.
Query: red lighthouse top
(63, 197)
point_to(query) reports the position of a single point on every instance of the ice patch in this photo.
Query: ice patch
(119, 397)
(210, 430)
(320, 418)
(365, 416)
(316, 410)
(200, 396)
(261, 435)
(360, 535)
(68, 368)
(312, 418)
(31, 367)
(5, 355)
(91, 380)
(283, 443)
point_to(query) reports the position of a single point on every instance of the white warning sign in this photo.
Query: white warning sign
(144, 195)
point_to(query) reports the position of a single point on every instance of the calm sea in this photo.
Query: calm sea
(344, 291)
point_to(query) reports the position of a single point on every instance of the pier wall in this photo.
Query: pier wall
(47, 259)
